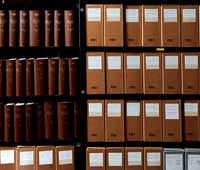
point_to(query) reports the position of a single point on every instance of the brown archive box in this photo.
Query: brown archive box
(114, 73)
(171, 25)
(30, 77)
(153, 120)
(153, 81)
(95, 73)
(95, 121)
(25, 158)
(1, 122)
(115, 158)
(153, 158)
(65, 158)
(94, 25)
(45, 158)
(13, 28)
(190, 73)
(8, 158)
(172, 73)
(189, 26)
(191, 120)
(113, 25)
(133, 25)
(152, 25)
(95, 158)
(23, 28)
(4, 28)
(2, 77)
(133, 78)
(134, 158)
(114, 121)
(48, 28)
(172, 121)
(134, 120)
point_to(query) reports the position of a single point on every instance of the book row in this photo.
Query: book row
(138, 158)
(39, 77)
(142, 73)
(142, 25)
(143, 120)
(37, 158)
(37, 28)
(34, 122)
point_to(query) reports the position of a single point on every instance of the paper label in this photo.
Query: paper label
(96, 159)
(45, 157)
(114, 62)
(171, 62)
(65, 157)
(151, 15)
(132, 15)
(95, 110)
(26, 158)
(94, 14)
(134, 158)
(7, 157)
(152, 62)
(170, 15)
(152, 109)
(172, 111)
(191, 62)
(133, 62)
(189, 15)
(114, 109)
(193, 162)
(174, 161)
(114, 159)
(94, 62)
(113, 14)
(153, 159)
(133, 109)
(191, 109)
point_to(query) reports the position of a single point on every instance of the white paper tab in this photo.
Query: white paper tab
(26, 158)
(114, 62)
(193, 162)
(172, 111)
(96, 159)
(133, 62)
(152, 62)
(170, 15)
(191, 62)
(153, 159)
(65, 157)
(191, 109)
(152, 109)
(7, 157)
(113, 14)
(174, 161)
(171, 62)
(114, 109)
(95, 110)
(133, 109)
(45, 157)
(132, 15)
(134, 158)
(151, 15)
(94, 14)
(189, 15)
(115, 159)
(94, 62)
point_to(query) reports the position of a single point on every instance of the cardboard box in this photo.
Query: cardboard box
(8, 158)
(192, 157)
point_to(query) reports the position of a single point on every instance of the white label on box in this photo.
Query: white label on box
(95, 110)
(94, 62)
(26, 158)
(174, 161)
(45, 157)
(153, 159)
(114, 159)
(133, 62)
(114, 62)
(171, 62)
(152, 109)
(189, 15)
(134, 158)
(133, 109)
(113, 14)
(114, 109)
(7, 157)
(65, 157)
(94, 14)
(170, 15)
(96, 159)
(172, 111)
(152, 62)
(191, 62)
(151, 15)
(132, 15)
(193, 162)
(191, 109)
